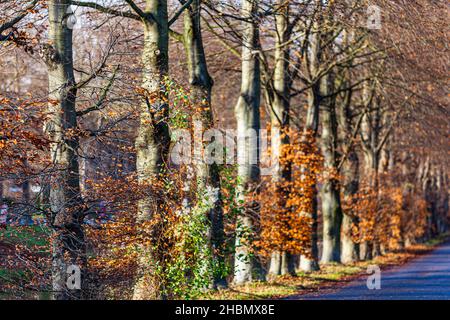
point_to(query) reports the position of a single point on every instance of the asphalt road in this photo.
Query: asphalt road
(424, 278)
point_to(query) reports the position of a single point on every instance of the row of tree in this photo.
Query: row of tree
(352, 94)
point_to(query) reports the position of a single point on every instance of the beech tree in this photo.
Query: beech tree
(68, 241)
(357, 120)
(246, 267)
(208, 176)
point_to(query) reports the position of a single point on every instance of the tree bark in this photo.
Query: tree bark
(330, 193)
(208, 178)
(370, 132)
(153, 141)
(278, 93)
(246, 266)
(68, 241)
(309, 264)
(1, 191)
(350, 173)
(27, 206)
(350, 249)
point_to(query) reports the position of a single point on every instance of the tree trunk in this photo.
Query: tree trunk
(246, 266)
(366, 250)
(370, 163)
(330, 194)
(278, 93)
(376, 249)
(1, 191)
(68, 242)
(350, 173)
(275, 264)
(27, 206)
(309, 264)
(350, 249)
(208, 178)
(370, 131)
(152, 142)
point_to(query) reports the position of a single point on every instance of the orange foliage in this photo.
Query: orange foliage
(389, 216)
(287, 204)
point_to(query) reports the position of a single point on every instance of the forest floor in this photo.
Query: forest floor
(331, 277)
